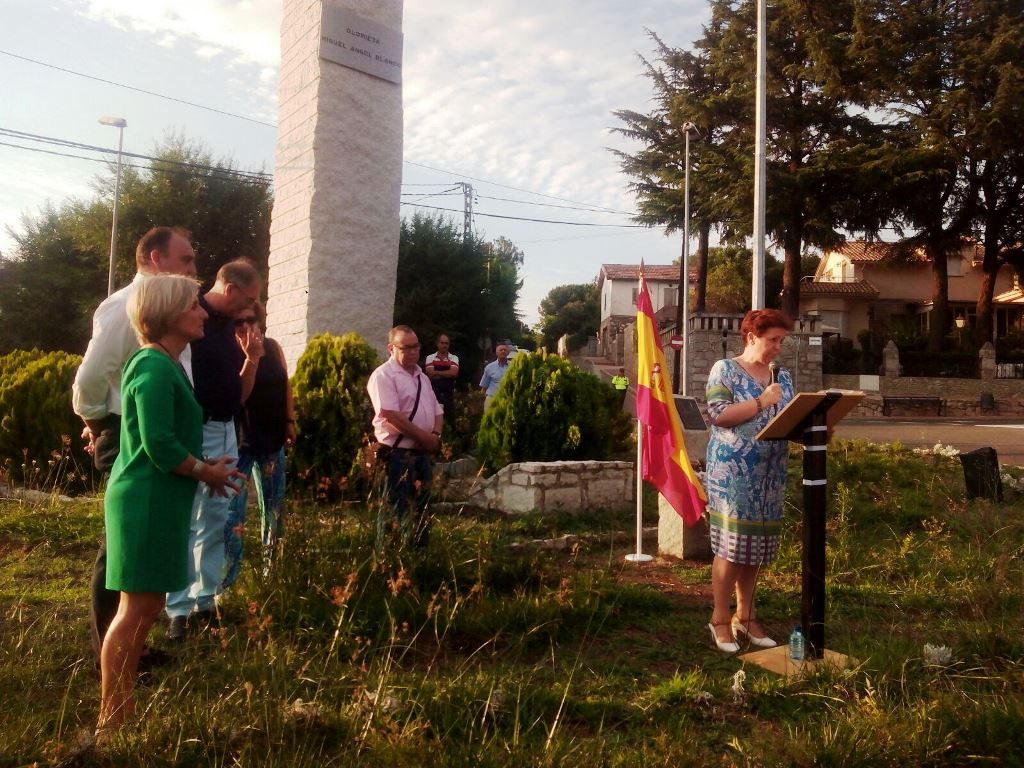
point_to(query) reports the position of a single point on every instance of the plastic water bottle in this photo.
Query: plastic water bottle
(796, 644)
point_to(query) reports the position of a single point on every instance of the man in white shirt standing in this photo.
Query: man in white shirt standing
(442, 368)
(407, 421)
(494, 372)
(96, 392)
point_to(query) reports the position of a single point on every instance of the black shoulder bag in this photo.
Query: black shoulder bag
(383, 449)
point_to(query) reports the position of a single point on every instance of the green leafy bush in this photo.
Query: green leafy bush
(332, 410)
(40, 444)
(460, 437)
(547, 409)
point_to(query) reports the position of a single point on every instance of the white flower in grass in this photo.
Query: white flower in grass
(704, 698)
(302, 712)
(1011, 482)
(738, 694)
(937, 655)
(386, 701)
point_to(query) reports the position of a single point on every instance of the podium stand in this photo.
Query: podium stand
(807, 420)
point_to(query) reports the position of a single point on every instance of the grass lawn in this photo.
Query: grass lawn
(477, 654)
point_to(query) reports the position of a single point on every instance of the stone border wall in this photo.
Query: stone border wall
(556, 486)
(963, 397)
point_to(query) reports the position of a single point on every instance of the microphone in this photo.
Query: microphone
(773, 370)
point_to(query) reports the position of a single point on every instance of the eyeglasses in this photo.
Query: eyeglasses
(406, 348)
(243, 321)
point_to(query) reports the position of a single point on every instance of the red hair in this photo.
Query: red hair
(760, 321)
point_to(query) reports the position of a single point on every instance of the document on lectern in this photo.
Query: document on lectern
(788, 423)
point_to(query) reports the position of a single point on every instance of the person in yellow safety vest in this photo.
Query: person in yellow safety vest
(621, 383)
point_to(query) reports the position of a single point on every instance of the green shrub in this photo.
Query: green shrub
(40, 443)
(460, 437)
(332, 410)
(547, 409)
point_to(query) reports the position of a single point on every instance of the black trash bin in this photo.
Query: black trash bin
(981, 474)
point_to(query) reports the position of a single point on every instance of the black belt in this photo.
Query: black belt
(213, 417)
(414, 451)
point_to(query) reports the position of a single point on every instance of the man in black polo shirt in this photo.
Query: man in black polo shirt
(223, 370)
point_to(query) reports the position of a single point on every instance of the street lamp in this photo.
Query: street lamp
(960, 321)
(120, 123)
(690, 130)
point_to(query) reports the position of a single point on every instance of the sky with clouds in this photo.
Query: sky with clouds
(513, 96)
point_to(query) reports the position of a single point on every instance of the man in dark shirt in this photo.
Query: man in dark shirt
(223, 369)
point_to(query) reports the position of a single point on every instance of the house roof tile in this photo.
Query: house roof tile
(864, 251)
(852, 288)
(654, 273)
(1012, 296)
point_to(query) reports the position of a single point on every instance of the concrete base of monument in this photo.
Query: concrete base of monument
(777, 660)
(677, 540)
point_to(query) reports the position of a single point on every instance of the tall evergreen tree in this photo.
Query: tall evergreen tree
(946, 75)
(816, 144)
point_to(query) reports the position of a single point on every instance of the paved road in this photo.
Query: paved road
(1007, 437)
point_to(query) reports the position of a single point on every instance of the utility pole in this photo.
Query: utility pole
(467, 211)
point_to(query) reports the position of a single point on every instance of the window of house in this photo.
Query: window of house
(848, 272)
(955, 266)
(635, 291)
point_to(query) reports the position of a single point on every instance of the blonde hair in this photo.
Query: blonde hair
(157, 302)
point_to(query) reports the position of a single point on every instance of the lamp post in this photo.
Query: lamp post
(960, 321)
(690, 130)
(120, 123)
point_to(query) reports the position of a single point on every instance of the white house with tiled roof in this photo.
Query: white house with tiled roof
(618, 286)
(860, 285)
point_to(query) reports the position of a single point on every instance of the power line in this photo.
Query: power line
(535, 221)
(594, 208)
(449, 191)
(517, 189)
(578, 237)
(549, 205)
(23, 136)
(137, 90)
(222, 175)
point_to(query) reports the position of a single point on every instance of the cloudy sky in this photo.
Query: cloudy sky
(513, 96)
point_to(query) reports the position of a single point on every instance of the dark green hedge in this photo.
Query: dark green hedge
(547, 409)
(332, 410)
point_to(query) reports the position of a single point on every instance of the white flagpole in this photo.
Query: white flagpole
(639, 556)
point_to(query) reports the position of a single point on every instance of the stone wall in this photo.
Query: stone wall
(713, 337)
(963, 397)
(557, 486)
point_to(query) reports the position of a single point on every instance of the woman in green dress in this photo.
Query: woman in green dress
(148, 502)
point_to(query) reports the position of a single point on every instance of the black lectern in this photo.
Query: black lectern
(807, 420)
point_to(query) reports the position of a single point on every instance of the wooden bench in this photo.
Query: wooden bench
(913, 403)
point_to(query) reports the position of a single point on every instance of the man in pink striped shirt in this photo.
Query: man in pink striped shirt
(407, 421)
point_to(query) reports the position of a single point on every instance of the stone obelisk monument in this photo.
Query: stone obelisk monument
(338, 173)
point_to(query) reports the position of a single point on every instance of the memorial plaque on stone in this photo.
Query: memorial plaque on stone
(689, 413)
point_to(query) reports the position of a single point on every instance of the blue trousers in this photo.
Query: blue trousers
(206, 537)
(270, 476)
(408, 491)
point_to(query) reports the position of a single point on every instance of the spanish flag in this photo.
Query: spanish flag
(665, 463)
